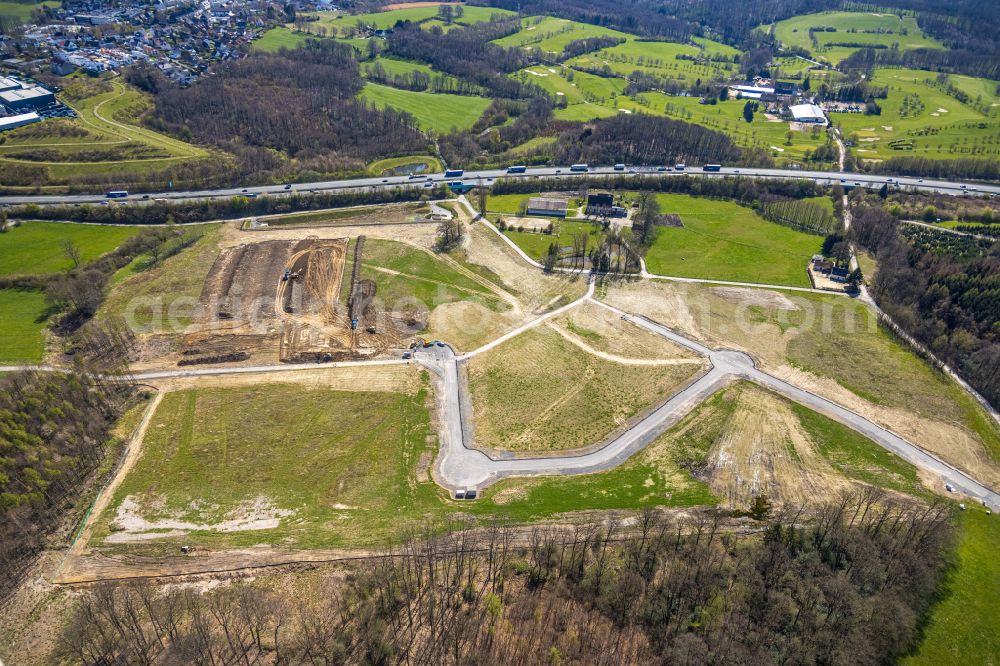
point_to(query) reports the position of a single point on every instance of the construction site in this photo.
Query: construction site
(290, 301)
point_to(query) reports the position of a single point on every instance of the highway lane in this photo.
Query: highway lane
(485, 176)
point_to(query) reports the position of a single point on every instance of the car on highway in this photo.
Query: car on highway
(428, 184)
(288, 187)
(385, 180)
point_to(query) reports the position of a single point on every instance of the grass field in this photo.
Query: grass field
(342, 23)
(922, 120)
(335, 468)
(721, 240)
(22, 10)
(856, 456)
(844, 351)
(536, 245)
(962, 626)
(540, 392)
(387, 166)
(589, 97)
(553, 34)
(661, 59)
(851, 28)
(405, 275)
(144, 298)
(36, 247)
(105, 138)
(309, 457)
(279, 38)
(21, 325)
(433, 112)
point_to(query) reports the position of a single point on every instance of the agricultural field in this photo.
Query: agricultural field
(960, 630)
(105, 138)
(35, 248)
(923, 120)
(433, 112)
(851, 28)
(21, 325)
(541, 392)
(721, 240)
(826, 343)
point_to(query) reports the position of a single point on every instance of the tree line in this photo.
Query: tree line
(961, 167)
(949, 301)
(849, 585)
(640, 138)
(743, 190)
(206, 210)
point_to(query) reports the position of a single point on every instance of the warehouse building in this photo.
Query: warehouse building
(548, 207)
(807, 113)
(11, 122)
(751, 92)
(27, 98)
(7, 83)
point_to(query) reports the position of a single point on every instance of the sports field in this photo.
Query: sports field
(721, 240)
(921, 119)
(850, 29)
(552, 34)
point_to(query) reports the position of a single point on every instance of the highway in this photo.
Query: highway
(486, 176)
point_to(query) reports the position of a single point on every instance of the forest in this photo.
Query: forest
(947, 296)
(644, 139)
(55, 429)
(299, 104)
(849, 585)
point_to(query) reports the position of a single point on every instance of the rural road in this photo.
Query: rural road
(459, 466)
(486, 176)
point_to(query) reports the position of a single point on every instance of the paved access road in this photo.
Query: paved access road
(460, 467)
(485, 176)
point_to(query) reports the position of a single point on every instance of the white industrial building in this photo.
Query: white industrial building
(10, 122)
(7, 83)
(26, 98)
(807, 113)
(752, 92)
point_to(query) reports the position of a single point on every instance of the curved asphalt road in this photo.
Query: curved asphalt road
(486, 175)
(462, 467)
